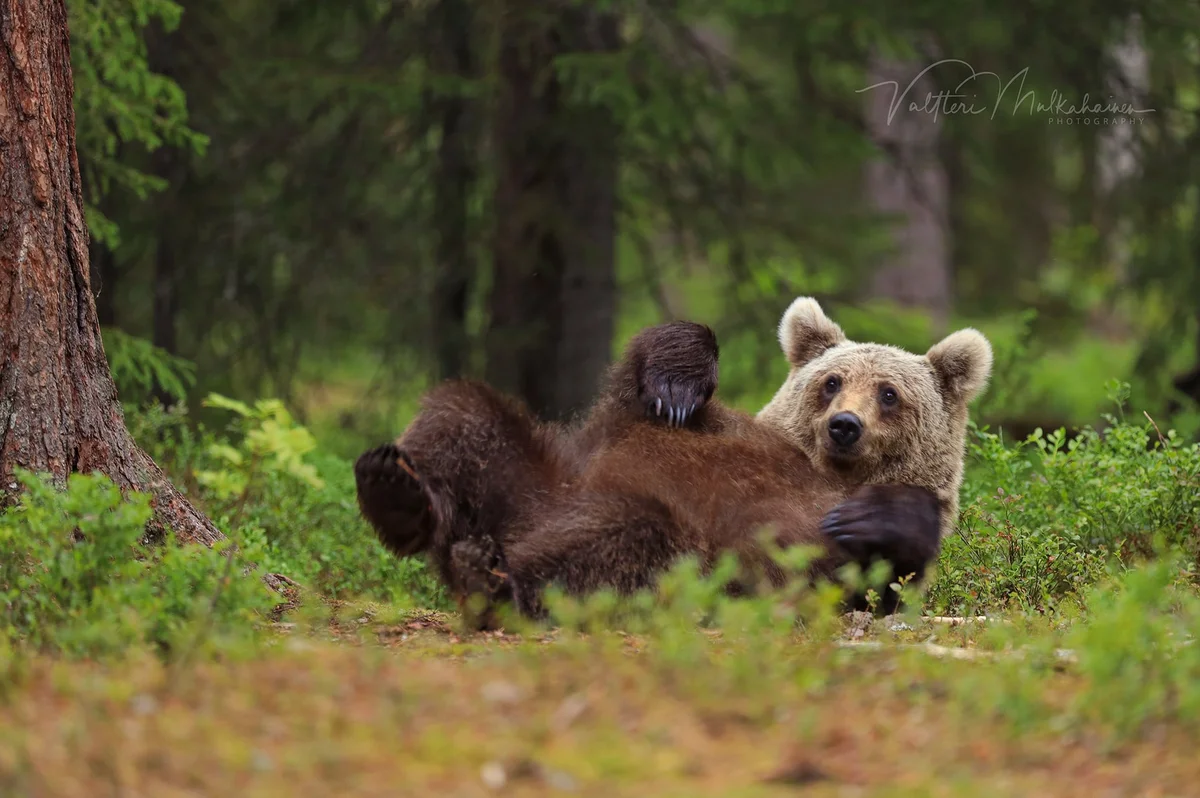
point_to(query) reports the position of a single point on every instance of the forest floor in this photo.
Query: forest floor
(405, 705)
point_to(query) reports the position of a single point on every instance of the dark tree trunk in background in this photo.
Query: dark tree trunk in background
(910, 183)
(58, 406)
(104, 283)
(553, 294)
(1119, 164)
(1118, 156)
(166, 298)
(166, 305)
(456, 176)
(168, 164)
(589, 286)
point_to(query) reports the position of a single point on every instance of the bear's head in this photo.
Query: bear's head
(878, 413)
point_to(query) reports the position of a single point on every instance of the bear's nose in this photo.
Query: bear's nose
(845, 429)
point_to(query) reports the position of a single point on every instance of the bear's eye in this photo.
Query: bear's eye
(832, 384)
(889, 396)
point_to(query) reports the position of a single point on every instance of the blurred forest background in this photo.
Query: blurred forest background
(338, 203)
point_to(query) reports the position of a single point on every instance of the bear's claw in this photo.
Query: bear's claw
(678, 374)
(680, 404)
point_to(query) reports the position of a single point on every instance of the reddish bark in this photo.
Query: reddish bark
(58, 406)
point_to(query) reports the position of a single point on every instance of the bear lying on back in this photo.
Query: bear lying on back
(860, 451)
(474, 466)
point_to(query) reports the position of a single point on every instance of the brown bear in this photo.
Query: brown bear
(843, 456)
(474, 465)
(921, 403)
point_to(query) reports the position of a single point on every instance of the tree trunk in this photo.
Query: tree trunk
(910, 182)
(168, 164)
(58, 405)
(553, 294)
(165, 307)
(589, 286)
(457, 173)
(1119, 159)
(166, 298)
(166, 287)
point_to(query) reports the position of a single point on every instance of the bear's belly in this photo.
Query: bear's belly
(722, 487)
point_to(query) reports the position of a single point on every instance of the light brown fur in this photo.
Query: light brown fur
(921, 441)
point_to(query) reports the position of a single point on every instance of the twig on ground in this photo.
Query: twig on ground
(955, 620)
(1161, 439)
(942, 652)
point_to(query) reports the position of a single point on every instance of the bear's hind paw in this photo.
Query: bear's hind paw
(394, 499)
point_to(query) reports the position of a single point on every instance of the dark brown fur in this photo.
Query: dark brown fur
(506, 505)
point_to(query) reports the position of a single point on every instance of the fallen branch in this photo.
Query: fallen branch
(951, 652)
(954, 620)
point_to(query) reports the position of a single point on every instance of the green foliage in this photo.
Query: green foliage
(120, 100)
(1136, 650)
(1043, 520)
(1047, 518)
(265, 484)
(271, 443)
(1129, 660)
(742, 146)
(139, 368)
(76, 577)
(1014, 352)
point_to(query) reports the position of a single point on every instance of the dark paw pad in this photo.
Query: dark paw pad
(479, 566)
(394, 499)
(384, 465)
(480, 577)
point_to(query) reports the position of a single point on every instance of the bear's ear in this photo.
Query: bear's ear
(806, 332)
(963, 363)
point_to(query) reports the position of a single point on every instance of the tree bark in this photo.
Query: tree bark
(553, 293)
(58, 406)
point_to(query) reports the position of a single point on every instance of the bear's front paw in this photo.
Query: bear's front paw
(480, 576)
(479, 566)
(900, 524)
(679, 373)
(672, 409)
